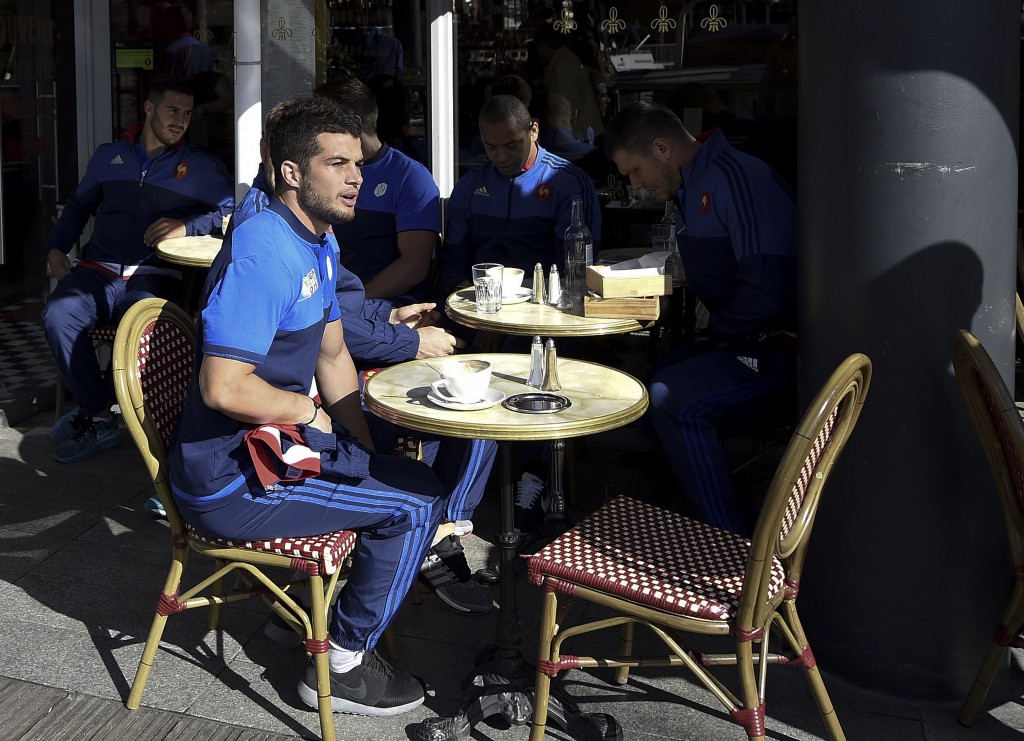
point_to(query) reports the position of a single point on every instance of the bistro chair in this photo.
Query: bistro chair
(153, 357)
(1001, 431)
(673, 574)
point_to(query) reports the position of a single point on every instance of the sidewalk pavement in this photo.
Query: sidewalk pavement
(81, 566)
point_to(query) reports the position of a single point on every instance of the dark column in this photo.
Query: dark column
(908, 203)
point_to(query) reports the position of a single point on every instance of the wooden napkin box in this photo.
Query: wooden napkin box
(647, 308)
(608, 283)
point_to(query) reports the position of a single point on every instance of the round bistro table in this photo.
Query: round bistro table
(600, 398)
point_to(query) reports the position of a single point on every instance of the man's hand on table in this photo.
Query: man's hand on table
(58, 263)
(416, 315)
(163, 228)
(436, 342)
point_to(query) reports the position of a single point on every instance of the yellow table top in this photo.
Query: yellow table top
(602, 399)
(528, 318)
(196, 252)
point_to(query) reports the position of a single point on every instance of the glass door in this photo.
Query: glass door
(37, 138)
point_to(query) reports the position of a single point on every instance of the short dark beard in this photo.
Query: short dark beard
(316, 205)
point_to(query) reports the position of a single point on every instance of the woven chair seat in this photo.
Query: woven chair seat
(328, 550)
(653, 557)
(103, 333)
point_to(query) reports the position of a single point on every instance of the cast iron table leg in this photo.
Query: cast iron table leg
(502, 679)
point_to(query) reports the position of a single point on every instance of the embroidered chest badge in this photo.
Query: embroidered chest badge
(543, 192)
(380, 190)
(181, 171)
(705, 202)
(309, 284)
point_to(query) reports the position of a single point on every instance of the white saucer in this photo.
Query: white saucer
(439, 395)
(521, 295)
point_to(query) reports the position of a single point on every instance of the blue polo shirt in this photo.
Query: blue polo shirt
(269, 296)
(398, 194)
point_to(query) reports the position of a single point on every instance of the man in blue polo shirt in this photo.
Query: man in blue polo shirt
(390, 244)
(737, 236)
(270, 324)
(377, 333)
(146, 187)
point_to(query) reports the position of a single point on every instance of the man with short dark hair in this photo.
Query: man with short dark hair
(737, 236)
(269, 324)
(515, 208)
(145, 188)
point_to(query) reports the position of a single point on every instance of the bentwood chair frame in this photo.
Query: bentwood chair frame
(1000, 429)
(658, 569)
(153, 359)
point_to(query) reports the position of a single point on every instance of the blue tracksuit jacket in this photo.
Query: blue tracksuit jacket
(517, 221)
(126, 194)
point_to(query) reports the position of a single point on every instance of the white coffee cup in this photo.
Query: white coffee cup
(511, 281)
(466, 380)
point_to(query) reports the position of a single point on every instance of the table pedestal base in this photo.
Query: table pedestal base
(502, 681)
(493, 694)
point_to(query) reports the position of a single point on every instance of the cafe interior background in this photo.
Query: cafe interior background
(71, 81)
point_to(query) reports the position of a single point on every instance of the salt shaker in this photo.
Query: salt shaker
(538, 285)
(536, 378)
(554, 286)
(550, 368)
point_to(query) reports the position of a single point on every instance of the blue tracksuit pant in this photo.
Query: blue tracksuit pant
(397, 510)
(80, 301)
(462, 465)
(704, 392)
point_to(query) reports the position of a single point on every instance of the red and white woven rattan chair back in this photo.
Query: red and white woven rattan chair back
(153, 358)
(999, 426)
(787, 515)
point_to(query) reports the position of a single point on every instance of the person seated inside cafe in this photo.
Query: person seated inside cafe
(148, 186)
(379, 333)
(737, 237)
(513, 209)
(390, 244)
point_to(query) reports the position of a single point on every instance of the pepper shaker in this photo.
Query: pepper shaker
(539, 294)
(550, 368)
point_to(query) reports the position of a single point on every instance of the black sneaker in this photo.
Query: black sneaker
(446, 571)
(374, 687)
(532, 502)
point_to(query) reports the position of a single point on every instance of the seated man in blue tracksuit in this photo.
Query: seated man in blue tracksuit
(379, 333)
(515, 208)
(269, 324)
(737, 235)
(147, 187)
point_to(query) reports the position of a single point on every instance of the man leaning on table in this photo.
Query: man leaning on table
(515, 208)
(147, 187)
(737, 236)
(377, 332)
(276, 270)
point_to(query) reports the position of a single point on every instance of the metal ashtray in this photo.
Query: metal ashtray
(536, 402)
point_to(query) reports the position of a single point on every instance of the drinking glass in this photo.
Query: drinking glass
(487, 278)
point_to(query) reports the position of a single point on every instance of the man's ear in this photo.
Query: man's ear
(148, 108)
(291, 174)
(662, 148)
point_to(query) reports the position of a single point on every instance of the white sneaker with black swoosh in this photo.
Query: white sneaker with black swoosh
(375, 687)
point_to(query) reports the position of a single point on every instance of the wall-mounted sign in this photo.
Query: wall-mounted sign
(133, 58)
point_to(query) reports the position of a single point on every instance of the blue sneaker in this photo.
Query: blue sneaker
(96, 436)
(154, 506)
(65, 427)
